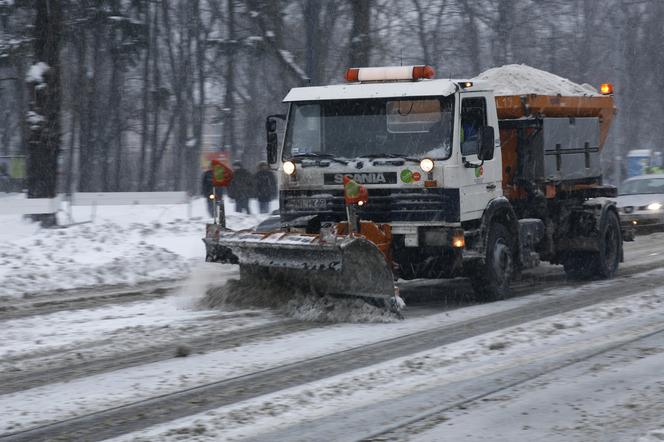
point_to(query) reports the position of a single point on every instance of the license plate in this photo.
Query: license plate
(308, 204)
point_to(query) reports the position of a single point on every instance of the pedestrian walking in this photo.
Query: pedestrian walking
(241, 188)
(266, 186)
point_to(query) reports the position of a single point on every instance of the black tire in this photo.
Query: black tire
(602, 264)
(579, 265)
(491, 281)
(610, 246)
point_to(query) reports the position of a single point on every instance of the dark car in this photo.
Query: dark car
(270, 224)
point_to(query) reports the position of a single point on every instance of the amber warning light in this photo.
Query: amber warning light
(390, 73)
(606, 89)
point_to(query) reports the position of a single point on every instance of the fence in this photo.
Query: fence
(23, 206)
(94, 199)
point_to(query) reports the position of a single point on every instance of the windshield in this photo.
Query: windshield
(652, 185)
(413, 127)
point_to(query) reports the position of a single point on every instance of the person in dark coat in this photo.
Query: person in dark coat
(241, 188)
(5, 179)
(266, 186)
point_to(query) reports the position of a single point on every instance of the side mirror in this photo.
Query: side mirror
(272, 147)
(272, 140)
(487, 143)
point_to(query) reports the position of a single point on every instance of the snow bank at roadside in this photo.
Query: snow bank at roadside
(84, 256)
(520, 79)
(124, 245)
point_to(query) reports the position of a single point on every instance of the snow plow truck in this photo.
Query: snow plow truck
(396, 174)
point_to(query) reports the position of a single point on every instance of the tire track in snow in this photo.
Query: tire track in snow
(501, 381)
(82, 299)
(210, 342)
(131, 417)
(68, 370)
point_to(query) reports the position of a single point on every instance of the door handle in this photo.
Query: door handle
(490, 187)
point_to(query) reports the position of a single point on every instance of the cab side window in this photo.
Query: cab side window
(473, 117)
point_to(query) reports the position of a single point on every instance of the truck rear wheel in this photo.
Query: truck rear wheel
(602, 264)
(608, 258)
(491, 281)
(580, 265)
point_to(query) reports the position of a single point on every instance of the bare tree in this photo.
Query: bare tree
(360, 34)
(44, 114)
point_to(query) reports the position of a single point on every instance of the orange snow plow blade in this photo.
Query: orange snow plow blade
(326, 263)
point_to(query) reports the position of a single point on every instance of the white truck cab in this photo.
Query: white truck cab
(386, 135)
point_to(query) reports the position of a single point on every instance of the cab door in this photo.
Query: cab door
(480, 182)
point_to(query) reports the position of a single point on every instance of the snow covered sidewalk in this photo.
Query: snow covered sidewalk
(124, 245)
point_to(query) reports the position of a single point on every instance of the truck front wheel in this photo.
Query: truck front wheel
(491, 281)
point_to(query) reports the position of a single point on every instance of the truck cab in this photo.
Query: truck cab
(427, 151)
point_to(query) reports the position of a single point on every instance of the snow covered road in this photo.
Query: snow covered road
(91, 365)
(258, 372)
(615, 395)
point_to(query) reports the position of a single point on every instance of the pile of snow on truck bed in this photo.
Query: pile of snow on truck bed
(519, 79)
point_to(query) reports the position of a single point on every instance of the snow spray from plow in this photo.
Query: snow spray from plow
(300, 305)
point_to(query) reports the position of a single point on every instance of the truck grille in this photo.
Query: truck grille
(385, 205)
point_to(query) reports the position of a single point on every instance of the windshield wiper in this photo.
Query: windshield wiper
(327, 156)
(400, 156)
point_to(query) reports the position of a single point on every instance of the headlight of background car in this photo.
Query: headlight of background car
(654, 206)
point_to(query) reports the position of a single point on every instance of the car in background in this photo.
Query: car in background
(640, 203)
(273, 222)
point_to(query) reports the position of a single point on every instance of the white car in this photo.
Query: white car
(641, 203)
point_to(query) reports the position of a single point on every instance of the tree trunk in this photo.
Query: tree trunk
(145, 124)
(311, 27)
(199, 114)
(422, 31)
(229, 78)
(156, 103)
(69, 181)
(473, 37)
(44, 117)
(360, 41)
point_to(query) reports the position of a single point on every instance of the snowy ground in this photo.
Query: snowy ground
(607, 386)
(124, 245)
(271, 417)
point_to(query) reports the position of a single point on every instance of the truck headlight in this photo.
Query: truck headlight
(289, 168)
(654, 206)
(426, 165)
